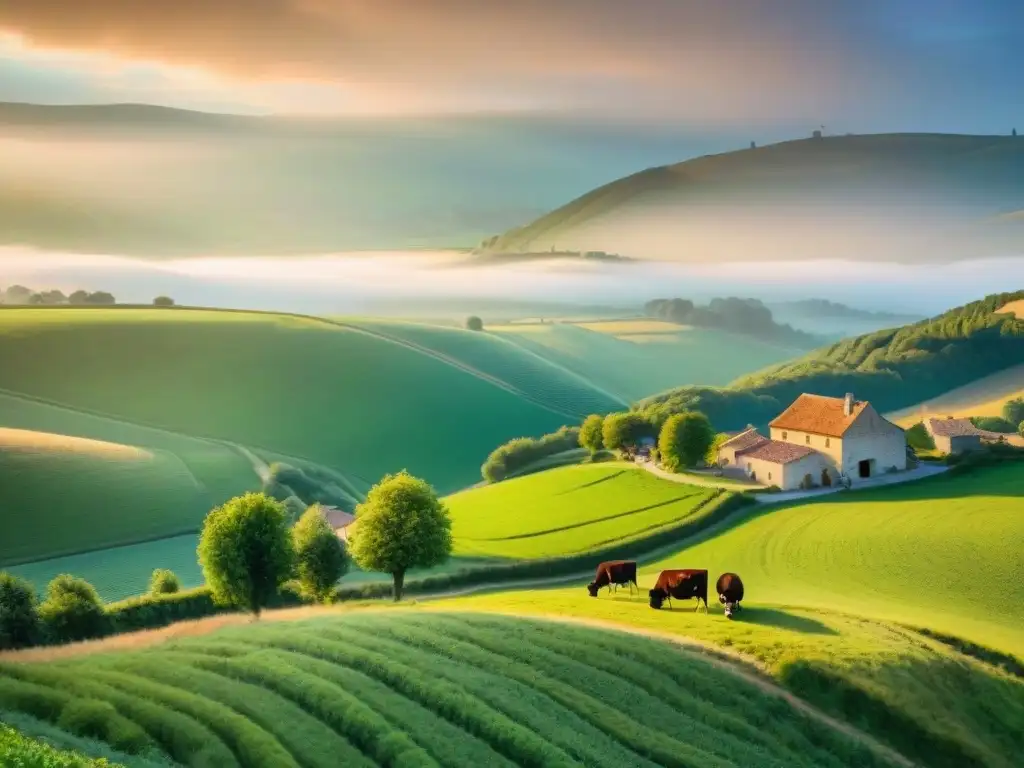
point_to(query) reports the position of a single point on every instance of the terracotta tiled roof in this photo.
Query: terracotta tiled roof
(776, 452)
(744, 440)
(818, 415)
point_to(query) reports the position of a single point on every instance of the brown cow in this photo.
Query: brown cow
(730, 592)
(682, 584)
(614, 572)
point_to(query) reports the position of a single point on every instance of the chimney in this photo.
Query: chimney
(848, 404)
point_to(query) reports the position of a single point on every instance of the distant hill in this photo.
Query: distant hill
(824, 308)
(911, 198)
(893, 368)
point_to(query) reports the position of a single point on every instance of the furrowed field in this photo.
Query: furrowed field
(632, 359)
(419, 688)
(568, 510)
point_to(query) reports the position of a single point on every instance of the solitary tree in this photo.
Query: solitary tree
(163, 301)
(474, 323)
(163, 582)
(592, 433)
(320, 556)
(685, 440)
(401, 525)
(622, 430)
(72, 610)
(19, 623)
(246, 551)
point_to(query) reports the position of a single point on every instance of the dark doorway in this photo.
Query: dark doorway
(826, 478)
(864, 468)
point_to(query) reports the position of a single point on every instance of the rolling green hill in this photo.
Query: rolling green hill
(914, 197)
(568, 510)
(892, 368)
(833, 590)
(405, 688)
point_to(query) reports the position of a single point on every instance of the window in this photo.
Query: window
(769, 475)
(785, 435)
(828, 442)
(807, 439)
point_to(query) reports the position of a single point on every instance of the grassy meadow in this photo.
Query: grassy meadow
(984, 397)
(567, 510)
(427, 689)
(632, 359)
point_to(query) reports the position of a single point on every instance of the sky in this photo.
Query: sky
(851, 65)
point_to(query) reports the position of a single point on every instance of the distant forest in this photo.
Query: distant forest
(19, 294)
(747, 316)
(893, 369)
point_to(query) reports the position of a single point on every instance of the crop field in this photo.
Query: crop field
(984, 397)
(323, 393)
(630, 330)
(632, 369)
(493, 355)
(567, 510)
(427, 689)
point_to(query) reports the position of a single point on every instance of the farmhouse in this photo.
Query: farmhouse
(339, 520)
(818, 441)
(957, 435)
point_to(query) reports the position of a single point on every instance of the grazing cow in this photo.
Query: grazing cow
(682, 585)
(614, 572)
(730, 592)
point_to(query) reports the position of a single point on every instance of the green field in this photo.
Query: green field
(630, 361)
(567, 510)
(407, 688)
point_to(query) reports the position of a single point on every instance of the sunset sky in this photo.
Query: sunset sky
(943, 65)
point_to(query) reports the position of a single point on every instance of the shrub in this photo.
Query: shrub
(591, 433)
(72, 610)
(163, 582)
(624, 430)
(246, 551)
(685, 440)
(19, 623)
(919, 439)
(401, 525)
(994, 424)
(1013, 410)
(163, 301)
(517, 454)
(474, 323)
(321, 557)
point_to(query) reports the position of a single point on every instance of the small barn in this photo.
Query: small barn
(957, 435)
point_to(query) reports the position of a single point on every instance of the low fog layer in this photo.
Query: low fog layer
(369, 282)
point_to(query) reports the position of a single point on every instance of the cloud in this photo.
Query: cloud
(699, 60)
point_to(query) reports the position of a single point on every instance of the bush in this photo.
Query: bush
(321, 557)
(246, 551)
(1013, 410)
(685, 440)
(919, 439)
(19, 623)
(591, 433)
(517, 454)
(402, 525)
(163, 301)
(72, 611)
(994, 424)
(474, 323)
(163, 582)
(624, 430)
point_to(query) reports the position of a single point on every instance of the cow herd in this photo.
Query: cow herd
(681, 584)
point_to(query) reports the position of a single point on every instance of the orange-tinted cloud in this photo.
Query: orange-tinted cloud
(680, 57)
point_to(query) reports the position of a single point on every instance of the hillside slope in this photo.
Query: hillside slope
(893, 369)
(887, 197)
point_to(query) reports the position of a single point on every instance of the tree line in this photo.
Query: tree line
(250, 552)
(747, 316)
(22, 295)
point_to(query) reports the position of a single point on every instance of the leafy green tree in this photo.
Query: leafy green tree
(474, 323)
(79, 297)
(163, 582)
(1013, 410)
(246, 551)
(592, 433)
(685, 440)
(711, 459)
(919, 439)
(321, 557)
(100, 297)
(163, 301)
(19, 623)
(72, 610)
(623, 430)
(401, 525)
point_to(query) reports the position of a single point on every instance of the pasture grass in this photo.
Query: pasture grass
(321, 391)
(419, 688)
(984, 397)
(630, 369)
(567, 510)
